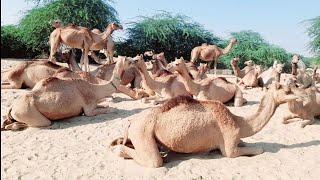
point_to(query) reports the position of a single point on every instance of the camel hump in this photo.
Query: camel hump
(49, 80)
(176, 101)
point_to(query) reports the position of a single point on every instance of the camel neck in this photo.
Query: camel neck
(73, 65)
(107, 88)
(253, 124)
(235, 70)
(227, 49)
(190, 85)
(151, 83)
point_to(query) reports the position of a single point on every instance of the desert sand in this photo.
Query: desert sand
(78, 148)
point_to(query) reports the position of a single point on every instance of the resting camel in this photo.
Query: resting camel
(303, 79)
(218, 89)
(315, 75)
(305, 110)
(185, 125)
(251, 78)
(240, 73)
(272, 74)
(294, 65)
(26, 74)
(47, 101)
(164, 87)
(210, 53)
(81, 38)
(104, 72)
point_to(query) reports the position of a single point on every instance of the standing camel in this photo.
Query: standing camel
(210, 53)
(81, 38)
(185, 125)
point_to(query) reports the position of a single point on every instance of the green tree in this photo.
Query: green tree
(314, 33)
(175, 35)
(35, 28)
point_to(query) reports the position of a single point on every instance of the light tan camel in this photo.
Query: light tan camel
(197, 73)
(294, 65)
(47, 101)
(185, 125)
(305, 110)
(218, 89)
(315, 75)
(81, 38)
(251, 78)
(104, 72)
(240, 73)
(272, 74)
(303, 79)
(164, 87)
(26, 74)
(210, 53)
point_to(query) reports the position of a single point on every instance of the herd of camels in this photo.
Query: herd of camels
(190, 100)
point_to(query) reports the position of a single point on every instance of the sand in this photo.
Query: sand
(78, 148)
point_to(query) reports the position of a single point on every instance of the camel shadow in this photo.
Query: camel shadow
(84, 120)
(252, 102)
(174, 159)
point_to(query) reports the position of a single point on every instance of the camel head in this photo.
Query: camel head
(122, 64)
(295, 59)
(114, 26)
(234, 61)
(278, 66)
(233, 41)
(149, 53)
(203, 67)
(282, 93)
(176, 65)
(56, 23)
(258, 69)
(159, 56)
(249, 63)
(137, 61)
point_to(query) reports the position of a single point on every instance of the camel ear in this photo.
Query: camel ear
(162, 53)
(181, 58)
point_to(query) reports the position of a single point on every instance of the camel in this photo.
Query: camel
(218, 89)
(26, 74)
(47, 101)
(251, 78)
(210, 53)
(305, 110)
(104, 72)
(272, 74)
(197, 73)
(81, 38)
(164, 87)
(240, 73)
(294, 65)
(315, 75)
(303, 80)
(186, 125)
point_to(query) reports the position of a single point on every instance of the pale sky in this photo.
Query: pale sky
(278, 21)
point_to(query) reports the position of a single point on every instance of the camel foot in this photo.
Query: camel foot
(15, 126)
(119, 151)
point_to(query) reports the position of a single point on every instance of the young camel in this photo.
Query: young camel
(164, 87)
(185, 125)
(272, 74)
(240, 73)
(47, 101)
(210, 53)
(305, 110)
(251, 78)
(218, 89)
(81, 38)
(26, 74)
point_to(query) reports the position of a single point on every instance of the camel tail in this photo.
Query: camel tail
(123, 140)
(8, 120)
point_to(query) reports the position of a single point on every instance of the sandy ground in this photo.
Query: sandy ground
(78, 148)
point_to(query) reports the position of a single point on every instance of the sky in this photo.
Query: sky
(280, 22)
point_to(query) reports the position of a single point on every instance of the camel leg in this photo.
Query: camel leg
(232, 150)
(238, 98)
(11, 85)
(32, 117)
(16, 126)
(110, 54)
(159, 101)
(54, 45)
(82, 60)
(94, 110)
(86, 60)
(215, 68)
(146, 152)
(308, 121)
(290, 118)
(131, 93)
(147, 99)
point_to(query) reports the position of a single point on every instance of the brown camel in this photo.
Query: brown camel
(210, 53)
(305, 110)
(218, 89)
(47, 101)
(272, 74)
(81, 38)
(26, 74)
(240, 73)
(164, 87)
(104, 72)
(185, 125)
(251, 78)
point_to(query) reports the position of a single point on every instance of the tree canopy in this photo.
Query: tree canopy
(314, 33)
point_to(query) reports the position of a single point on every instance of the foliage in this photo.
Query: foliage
(251, 46)
(11, 44)
(314, 33)
(35, 27)
(175, 35)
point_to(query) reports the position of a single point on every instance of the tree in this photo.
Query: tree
(314, 33)
(35, 28)
(175, 35)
